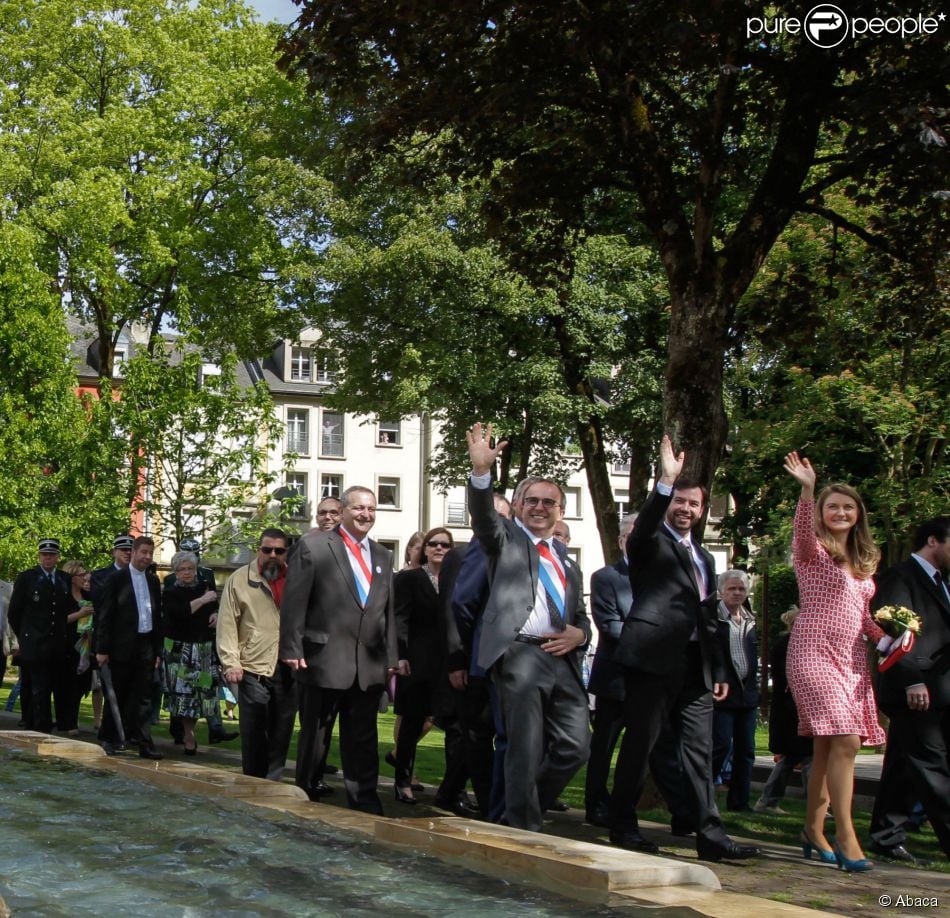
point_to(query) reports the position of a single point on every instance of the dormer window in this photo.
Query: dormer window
(301, 364)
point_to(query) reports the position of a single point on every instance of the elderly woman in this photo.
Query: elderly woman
(192, 671)
(734, 717)
(421, 642)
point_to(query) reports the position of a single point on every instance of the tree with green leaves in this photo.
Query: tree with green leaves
(709, 135)
(201, 441)
(147, 146)
(57, 466)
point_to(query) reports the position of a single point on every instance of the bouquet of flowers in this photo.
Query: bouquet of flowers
(896, 620)
(902, 625)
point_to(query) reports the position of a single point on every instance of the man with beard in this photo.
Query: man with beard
(248, 631)
(674, 669)
(128, 637)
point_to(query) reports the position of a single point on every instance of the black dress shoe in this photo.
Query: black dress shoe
(745, 808)
(223, 736)
(727, 852)
(633, 841)
(319, 790)
(109, 748)
(897, 853)
(599, 815)
(461, 806)
(329, 769)
(193, 750)
(559, 806)
(150, 752)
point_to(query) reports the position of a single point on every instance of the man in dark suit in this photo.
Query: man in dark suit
(338, 633)
(674, 666)
(532, 625)
(38, 619)
(128, 639)
(915, 695)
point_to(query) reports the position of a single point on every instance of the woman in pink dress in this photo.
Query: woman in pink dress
(828, 670)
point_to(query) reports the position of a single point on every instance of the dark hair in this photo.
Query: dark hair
(938, 527)
(429, 534)
(272, 533)
(684, 483)
(143, 540)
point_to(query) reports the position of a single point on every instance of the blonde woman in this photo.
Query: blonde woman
(828, 670)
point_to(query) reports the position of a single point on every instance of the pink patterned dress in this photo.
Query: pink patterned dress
(828, 670)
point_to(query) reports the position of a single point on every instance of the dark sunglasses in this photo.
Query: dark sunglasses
(435, 544)
(272, 550)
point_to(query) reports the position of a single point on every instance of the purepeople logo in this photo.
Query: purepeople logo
(827, 26)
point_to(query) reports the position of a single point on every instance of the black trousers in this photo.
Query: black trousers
(50, 681)
(473, 707)
(132, 681)
(544, 708)
(916, 767)
(415, 703)
(682, 699)
(359, 745)
(267, 709)
(607, 721)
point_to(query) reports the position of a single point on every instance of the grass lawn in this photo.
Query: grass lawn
(430, 765)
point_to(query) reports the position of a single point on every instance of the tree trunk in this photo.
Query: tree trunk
(694, 414)
(590, 435)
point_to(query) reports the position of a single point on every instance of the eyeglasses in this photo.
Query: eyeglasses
(435, 544)
(549, 503)
(81, 573)
(272, 550)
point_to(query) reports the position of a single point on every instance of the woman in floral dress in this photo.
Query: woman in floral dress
(828, 670)
(192, 670)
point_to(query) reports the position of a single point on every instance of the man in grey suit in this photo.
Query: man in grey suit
(338, 633)
(533, 623)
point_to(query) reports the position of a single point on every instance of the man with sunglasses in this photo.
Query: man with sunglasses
(534, 621)
(248, 632)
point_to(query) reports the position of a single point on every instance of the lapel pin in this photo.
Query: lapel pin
(379, 570)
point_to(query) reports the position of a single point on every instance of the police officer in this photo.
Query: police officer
(38, 610)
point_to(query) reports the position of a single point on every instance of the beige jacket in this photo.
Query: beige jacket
(248, 627)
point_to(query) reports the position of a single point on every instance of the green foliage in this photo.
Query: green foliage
(54, 468)
(198, 439)
(145, 146)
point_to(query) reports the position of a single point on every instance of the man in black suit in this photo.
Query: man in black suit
(338, 633)
(38, 619)
(915, 695)
(533, 623)
(128, 638)
(674, 666)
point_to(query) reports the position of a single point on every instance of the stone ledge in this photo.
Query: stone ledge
(579, 869)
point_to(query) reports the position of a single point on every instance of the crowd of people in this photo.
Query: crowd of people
(489, 641)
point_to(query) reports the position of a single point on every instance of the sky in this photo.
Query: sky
(284, 11)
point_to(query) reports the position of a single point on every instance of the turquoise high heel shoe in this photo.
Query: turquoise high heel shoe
(826, 856)
(857, 866)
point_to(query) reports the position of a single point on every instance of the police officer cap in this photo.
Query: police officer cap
(122, 541)
(50, 546)
(190, 544)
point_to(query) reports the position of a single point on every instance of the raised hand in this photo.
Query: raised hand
(480, 450)
(671, 464)
(802, 471)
